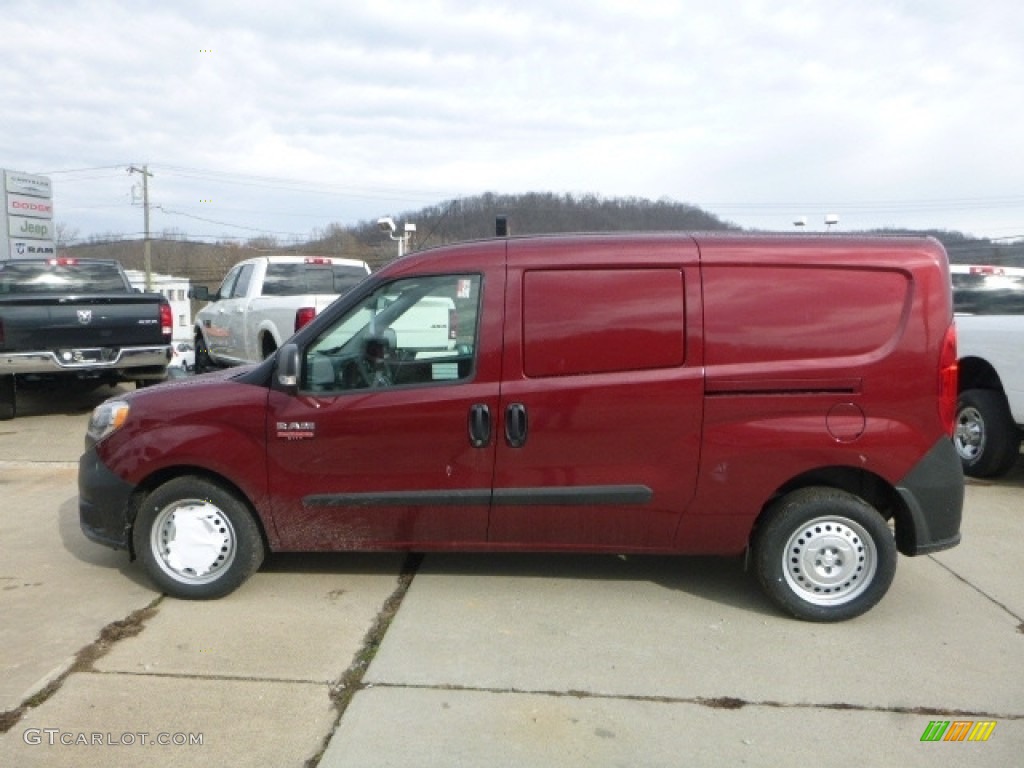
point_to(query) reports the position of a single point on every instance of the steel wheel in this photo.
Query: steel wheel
(830, 561)
(197, 539)
(823, 554)
(193, 541)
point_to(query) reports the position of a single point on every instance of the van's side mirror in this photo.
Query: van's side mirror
(200, 292)
(288, 368)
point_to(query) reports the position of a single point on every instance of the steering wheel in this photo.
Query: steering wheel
(381, 376)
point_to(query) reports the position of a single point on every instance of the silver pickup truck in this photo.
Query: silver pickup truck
(990, 339)
(77, 323)
(263, 301)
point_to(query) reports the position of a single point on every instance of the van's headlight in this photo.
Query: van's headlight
(106, 419)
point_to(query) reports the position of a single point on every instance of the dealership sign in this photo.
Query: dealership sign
(23, 205)
(20, 226)
(27, 184)
(32, 249)
(27, 230)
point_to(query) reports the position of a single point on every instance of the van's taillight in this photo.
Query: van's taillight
(166, 322)
(453, 325)
(948, 381)
(303, 315)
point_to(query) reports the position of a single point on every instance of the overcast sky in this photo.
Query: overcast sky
(284, 117)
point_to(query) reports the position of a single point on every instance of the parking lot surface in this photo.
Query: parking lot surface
(468, 660)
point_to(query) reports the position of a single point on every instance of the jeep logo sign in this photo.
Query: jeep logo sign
(19, 226)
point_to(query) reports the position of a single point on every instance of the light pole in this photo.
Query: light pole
(146, 258)
(387, 224)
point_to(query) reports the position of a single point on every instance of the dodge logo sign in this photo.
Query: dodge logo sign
(84, 316)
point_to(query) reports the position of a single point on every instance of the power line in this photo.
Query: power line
(227, 224)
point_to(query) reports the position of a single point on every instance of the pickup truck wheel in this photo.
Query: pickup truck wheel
(986, 437)
(267, 346)
(202, 363)
(8, 398)
(196, 539)
(822, 554)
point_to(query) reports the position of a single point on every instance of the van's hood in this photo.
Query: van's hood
(188, 384)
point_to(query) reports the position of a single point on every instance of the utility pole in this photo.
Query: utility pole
(146, 254)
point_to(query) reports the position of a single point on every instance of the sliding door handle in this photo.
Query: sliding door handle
(516, 425)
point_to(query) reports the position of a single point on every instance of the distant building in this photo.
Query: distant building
(176, 291)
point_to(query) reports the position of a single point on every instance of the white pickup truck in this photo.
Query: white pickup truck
(263, 301)
(989, 304)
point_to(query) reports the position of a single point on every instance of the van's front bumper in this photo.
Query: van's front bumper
(104, 501)
(933, 494)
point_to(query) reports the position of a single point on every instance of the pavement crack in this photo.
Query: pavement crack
(84, 660)
(715, 702)
(351, 681)
(980, 591)
(200, 676)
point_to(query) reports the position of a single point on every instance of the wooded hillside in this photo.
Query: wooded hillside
(472, 218)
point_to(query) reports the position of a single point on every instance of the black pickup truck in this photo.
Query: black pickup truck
(77, 323)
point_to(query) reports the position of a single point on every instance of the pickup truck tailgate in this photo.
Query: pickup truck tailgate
(41, 322)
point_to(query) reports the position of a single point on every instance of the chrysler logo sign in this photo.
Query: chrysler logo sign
(84, 316)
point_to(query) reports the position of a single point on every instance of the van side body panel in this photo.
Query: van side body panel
(820, 354)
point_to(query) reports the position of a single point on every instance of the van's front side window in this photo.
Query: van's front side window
(410, 332)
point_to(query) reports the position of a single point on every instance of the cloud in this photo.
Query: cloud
(748, 104)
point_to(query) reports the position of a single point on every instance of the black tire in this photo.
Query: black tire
(203, 363)
(822, 554)
(223, 546)
(267, 346)
(986, 438)
(8, 398)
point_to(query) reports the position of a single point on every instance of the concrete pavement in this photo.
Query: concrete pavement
(517, 660)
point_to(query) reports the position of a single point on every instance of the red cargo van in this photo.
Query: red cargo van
(661, 393)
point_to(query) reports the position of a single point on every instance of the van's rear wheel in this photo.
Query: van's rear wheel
(196, 539)
(822, 554)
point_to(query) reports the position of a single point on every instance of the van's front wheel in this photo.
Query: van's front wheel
(196, 539)
(822, 554)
